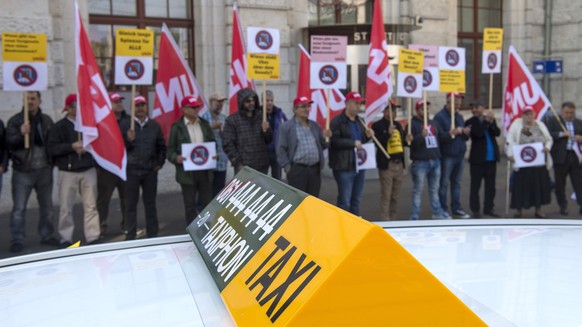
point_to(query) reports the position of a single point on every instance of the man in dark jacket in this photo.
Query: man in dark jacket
(566, 162)
(275, 117)
(107, 181)
(426, 162)
(483, 158)
(146, 154)
(453, 154)
(77, 174)
(391, 137)
(348, 133)
(32, 169)
(246, 136)
(197, 184)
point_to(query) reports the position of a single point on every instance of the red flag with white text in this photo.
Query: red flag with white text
(174, 81)
(238, 64)
(95, 120)
(378, 82)
(318, 112)
(521, 89)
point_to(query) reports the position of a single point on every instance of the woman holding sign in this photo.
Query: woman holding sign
(528, 143)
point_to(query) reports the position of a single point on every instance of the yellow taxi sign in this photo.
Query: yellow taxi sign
(24, 47)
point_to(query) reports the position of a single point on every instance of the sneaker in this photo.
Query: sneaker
(16, 247)
(50, 241)
(461, 214)
(444, 216)
(414, 218)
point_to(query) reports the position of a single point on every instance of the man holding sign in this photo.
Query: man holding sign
(196, 184)
(146, 154)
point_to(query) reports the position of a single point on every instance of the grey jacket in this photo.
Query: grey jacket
(287, 142)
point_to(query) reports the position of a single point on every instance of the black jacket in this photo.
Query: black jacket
(148, 150)
(559, 149)
(381, 131)
(479, 141)
(60, 140)
(418, 149)
(40, 127)
(341, 147)
(3, 150)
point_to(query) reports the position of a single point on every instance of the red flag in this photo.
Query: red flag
(378, 82)
(521, 90)
(173, 82)
(318, 111)
(101, 135)
(238, 63)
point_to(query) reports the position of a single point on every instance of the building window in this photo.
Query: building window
(333, 12)
(106, 16)
(473, 17)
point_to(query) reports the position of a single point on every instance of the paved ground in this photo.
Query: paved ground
(170, 210)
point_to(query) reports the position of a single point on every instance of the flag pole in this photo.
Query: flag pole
(424, 108)
(452, 113)
(26, 120)
(132, 121)
(558, 119)
(410, 117)
(390, 113)
(491, 92)
(375, 139)
(507, 188)
(328, 109)
(264, 100)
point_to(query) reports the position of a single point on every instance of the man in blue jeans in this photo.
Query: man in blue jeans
(426, 165)
(348, 133)
(453, 154)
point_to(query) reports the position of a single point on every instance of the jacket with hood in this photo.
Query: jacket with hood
(245, 143)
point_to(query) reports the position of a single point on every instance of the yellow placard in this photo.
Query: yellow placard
(134, 43)
(23, 47)
(263, 66)
(493, 39)
(410, 61)
(452, 81)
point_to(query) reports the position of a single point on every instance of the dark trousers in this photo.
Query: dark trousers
(147, 180)
(200, 189)
(573, 168)
(305, 178)
(487, 172)
(106, 184)
(274, 165)
(218, 182)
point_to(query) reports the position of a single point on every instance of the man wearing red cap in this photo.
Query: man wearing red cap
(146, 154)
(77, 174)
(300, 145)
(190, 128)
(348, 133)
(453, 154)
(107, 182)
(391, 137)
(32, 169)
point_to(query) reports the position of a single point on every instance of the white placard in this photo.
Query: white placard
(263, 40)
(133, 70)
(491, 62)
(365, 157)
(409, 85)
(24, 76)
(529, 155)
(199, 156)
(430, 79)
(451, 58)
(328, 75)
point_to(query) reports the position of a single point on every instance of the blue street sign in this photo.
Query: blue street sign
(549, 66)
(539, 67)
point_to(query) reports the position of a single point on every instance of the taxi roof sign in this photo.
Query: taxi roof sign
(283, 258)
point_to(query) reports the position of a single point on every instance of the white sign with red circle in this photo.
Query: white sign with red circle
(529, 155)
(365, 157)
(263, 40)
(25, 66)
(451, 58)
(199, 156)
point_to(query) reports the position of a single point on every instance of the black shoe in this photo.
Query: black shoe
(563, 211)
(476, 214)
(65, 244)
(580, 212)
(50, 241)
(97, 241)
(540, 215)
(491, 214)
(129, 237)
(16, 247)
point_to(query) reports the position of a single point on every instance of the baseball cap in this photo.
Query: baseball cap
(354, 96)
(139, 99)
(477, 102)
(70, 99)
(301, 100)
(420, 103)
(190, 101)
(528, 108)
(114, 96)
(456, 94)
(216, 96)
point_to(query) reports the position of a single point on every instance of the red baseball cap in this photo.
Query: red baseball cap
(140, 99)
(395, 104)
(528, 108)
(301, 100)
(420, 103)
(114, 96)
(354, 96)
(457, 95)
(190, 101)
(70, 99)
